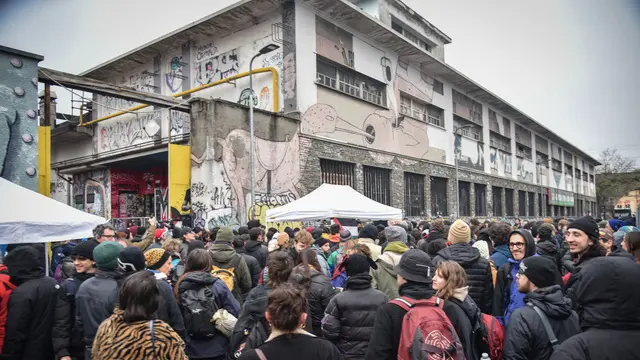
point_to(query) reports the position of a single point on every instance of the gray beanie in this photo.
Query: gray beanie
(395, 233)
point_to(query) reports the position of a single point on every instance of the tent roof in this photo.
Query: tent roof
(29, 217)
(328, 201)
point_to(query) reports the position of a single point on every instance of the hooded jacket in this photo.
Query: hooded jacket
(385, 278)
(349, 318)
(31, 307)
(506, 297)
(501, 255)
(218, 345)
(580, 262)
(252, 264)
(376, 250)
(549, 249)
(478, 272)
(225, 256)
(387, 328)
(609, 316)
(322, 260)
(526, 338)
(258, 250)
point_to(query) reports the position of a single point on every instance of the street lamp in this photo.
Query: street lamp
(543, 207)
(265, 50)
(457, 154)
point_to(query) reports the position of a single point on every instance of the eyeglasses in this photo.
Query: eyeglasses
(516, 245)
(107, 236)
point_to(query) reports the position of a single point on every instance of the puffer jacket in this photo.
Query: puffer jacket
(218, 345)
(94, 303)
(320, 293)
(225, 256)
(609, 319)
(385, 278)
(66, 335)
(506, 297)
(258, 250)
(478, 271)
(116, 339)
(550, 250)
(526, 338)
(349, 318)
(31, 307)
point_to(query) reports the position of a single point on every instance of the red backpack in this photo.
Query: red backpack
(427, 333)
(5, 291)
(493, 336)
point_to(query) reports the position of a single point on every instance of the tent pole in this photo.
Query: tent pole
(46, 260)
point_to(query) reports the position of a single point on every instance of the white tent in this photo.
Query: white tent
(29, 217)
(330, 201)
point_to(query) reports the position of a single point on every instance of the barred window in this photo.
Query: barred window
(497, 201)
(508, 199)
(337, 172)
(377, 184)
(413, 194)
(438, 196)
(481, 199)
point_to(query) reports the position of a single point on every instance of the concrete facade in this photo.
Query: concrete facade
(362, 82)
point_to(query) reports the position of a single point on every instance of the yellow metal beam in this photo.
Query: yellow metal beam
(274, 78)
(44, 146)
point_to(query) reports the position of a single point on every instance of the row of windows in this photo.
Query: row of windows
(377, 186)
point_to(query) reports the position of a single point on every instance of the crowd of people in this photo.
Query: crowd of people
(552, 289)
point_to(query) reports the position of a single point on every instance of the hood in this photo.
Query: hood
(392, 257)
(386, 267)
(530, 247)
(547, 247)
(196, 279)
(222, 253)
(608, 291)
(470, 309)
(396, 247)
(358, 282)
(319, 251)
(23, 264)
(252, 245)
(552, 301)
(484, 235)
(462, 253)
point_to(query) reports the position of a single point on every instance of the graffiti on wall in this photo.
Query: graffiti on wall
(500, 162)
(92, 192)
(180, 123)
(213, 204)
(211, 66)
(470, 153)
(266, 202)
(526, 169)
(141, 80)
(173, 74)
(18, 120)
(117, 134)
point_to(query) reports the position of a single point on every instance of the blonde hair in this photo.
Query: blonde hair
(350, 244)
(455, 278)
(362, 249)
(304, 237)
(172, 245)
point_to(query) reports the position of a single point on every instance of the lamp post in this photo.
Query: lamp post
(267, 49)
(543, 207)
(457, 154)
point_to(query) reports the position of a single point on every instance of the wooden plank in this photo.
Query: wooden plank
(54, 77)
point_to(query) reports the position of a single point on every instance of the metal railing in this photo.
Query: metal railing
(431, 119)
(349, 89)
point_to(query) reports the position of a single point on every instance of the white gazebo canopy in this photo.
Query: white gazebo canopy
(29, 217)
(329, 201)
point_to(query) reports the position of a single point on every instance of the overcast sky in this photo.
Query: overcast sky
(573, 65)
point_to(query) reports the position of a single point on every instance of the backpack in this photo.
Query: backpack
(427, 332)
(198, 306)
(492, 333)
(6, 287)
(62, 271)
(227, 274)
(250, 333)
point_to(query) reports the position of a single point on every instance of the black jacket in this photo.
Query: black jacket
(253, 265)
(435, 235)
(478, 272)
(31, 307)
(320, 293)
(609, 312)
(66, 334)
(258, 250)
(296, 346)
(549, 249)
(385, 339)
(349, 318)
(504, 278)
(584, 260)
(526, 337)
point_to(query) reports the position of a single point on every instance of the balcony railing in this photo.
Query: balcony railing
(350, 89)
(431, 119)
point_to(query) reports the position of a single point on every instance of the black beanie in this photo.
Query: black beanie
(319, 242)
(84, 249)
(541, 271)
(359, 264)
(131, 259)
(195, 244)
(369, 232)
(588, 225)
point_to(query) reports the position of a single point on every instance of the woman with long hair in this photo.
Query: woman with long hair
(131, 333)
(200, 295)
(287, 313)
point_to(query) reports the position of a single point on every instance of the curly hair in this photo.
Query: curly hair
(499, 232)
(286, 305)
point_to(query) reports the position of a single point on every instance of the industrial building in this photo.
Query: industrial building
(356, 93)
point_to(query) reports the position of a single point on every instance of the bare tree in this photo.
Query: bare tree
(614, 163)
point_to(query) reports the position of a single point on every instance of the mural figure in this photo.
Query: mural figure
(174, 77)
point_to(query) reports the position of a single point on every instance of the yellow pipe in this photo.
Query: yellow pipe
(272, 70)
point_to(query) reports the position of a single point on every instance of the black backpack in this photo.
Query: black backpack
(252, 329)
(198, 307)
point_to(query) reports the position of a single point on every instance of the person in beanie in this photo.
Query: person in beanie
(609, 313)
(186, 235)
(584, 245)
(321, 247)
(479, 278)
(224, 256)
(31, 308)
(158, 261)
(526, 337)
(92, 299)
(414, 279)
(66, 334)
(614, 225)
(349, 317)
(367, 236)
(506, 297)
(385, 277)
